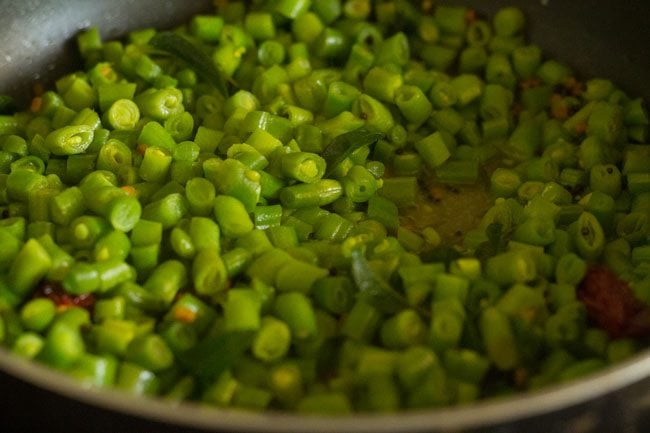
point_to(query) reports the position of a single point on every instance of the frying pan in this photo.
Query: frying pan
(607, 38)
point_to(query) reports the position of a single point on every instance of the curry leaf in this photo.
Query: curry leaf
(214, 355)
(373, 289)
(343, 145)
(196, 59)
(497, 240)
(443, 254)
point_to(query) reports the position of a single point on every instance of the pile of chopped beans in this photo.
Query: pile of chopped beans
(325, 207)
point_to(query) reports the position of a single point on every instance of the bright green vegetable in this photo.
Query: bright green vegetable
(325, 239)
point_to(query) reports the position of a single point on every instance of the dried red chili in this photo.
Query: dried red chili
(54, 291)
(612, 305)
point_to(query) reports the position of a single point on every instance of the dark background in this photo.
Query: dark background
(25, 408)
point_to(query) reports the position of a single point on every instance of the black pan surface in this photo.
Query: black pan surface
(596, 37)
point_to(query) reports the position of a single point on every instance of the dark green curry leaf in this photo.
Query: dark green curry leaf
(373, 289)
(214, 355)
(444, 254)
(343, 145)
(496, 243)
(192, 55)
(494, 233)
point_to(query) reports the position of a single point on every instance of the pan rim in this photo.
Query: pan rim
(485, 413)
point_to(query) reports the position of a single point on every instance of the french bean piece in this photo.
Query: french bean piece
(267, 208)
